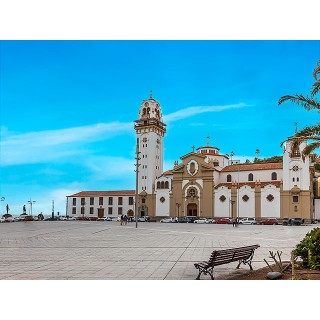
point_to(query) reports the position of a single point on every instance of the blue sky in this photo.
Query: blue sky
(67, 107)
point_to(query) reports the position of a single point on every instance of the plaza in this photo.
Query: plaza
(104, 250)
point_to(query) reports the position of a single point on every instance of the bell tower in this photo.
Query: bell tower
(150, 133)
(296, 194)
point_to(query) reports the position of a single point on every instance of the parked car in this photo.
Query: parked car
(297, 221)
(16, 219)
(62, 218)
(286, 222)
(71, 218)
(166, 220)
(223, 221)
(9, 219)
(201, 220)
(211, 221)
(144, 219)
(117, 219)
(102, 219)
(269, 221)
(192, 219)
(233, 220)
(183, 220)
(2, 219)
(248, 221)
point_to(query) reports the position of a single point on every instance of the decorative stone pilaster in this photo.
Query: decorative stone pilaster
(257, 200)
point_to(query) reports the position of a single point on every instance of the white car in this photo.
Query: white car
(71, 219)
(16, 219)
(2, 219)
(201, 220)
(248, 221)
(63, 218)
(166, 220)
(115, 219)
(9, 219)
(102, 219)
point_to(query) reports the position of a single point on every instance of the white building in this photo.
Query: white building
(204, 184)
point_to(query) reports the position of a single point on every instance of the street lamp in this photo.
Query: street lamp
(31, 202)
(83, 204)
(2, 199)
(178, 205)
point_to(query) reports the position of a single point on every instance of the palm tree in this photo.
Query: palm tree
(312, 132)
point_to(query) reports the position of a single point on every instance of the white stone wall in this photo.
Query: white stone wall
(317, 209)
(246, 209)
(222, 209)
(125, 206)
(242, 176)
(163, 208)
(289, 174)
(151, 159)
(270, 209)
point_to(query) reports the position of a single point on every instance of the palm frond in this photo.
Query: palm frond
(315, 88)
(310, 148)
(306, 102)
(309, 131)
(316, 71)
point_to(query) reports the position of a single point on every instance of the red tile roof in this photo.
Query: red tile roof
(104, 193)
(252, 167)
(167, 173)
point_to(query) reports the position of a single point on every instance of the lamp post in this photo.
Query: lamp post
(137, 181)
(178, 205)
(2, 199)
(83, 204)
(31, 202)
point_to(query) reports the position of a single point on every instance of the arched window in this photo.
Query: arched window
(229, 178)
(162, 184)
(273, 176)
(166, 185)
(144, 111)
(250, 177)
(158, 185)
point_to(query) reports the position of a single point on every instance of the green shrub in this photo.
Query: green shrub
(309, 249)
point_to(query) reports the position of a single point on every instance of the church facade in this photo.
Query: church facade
(206, 183)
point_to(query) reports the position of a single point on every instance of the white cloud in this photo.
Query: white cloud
(192, 111)
(44, 146)
(51, 145)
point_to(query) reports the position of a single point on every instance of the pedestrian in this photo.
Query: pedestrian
(121, 220)
(125, 219)
(233, 222)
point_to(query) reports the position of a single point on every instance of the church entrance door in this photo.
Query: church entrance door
(192, 209)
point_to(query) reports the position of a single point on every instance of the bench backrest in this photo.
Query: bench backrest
(219, 257)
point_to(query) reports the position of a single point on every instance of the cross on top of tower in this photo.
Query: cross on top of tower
(151, 94)
(193, 148)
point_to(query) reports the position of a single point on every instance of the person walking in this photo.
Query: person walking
(125, 219)
(233, 222)
(121, 220)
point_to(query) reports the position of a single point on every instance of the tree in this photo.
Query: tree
(310, 133)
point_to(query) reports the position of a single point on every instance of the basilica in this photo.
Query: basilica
(205, 183)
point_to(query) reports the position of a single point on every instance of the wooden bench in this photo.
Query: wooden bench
(218, 257)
